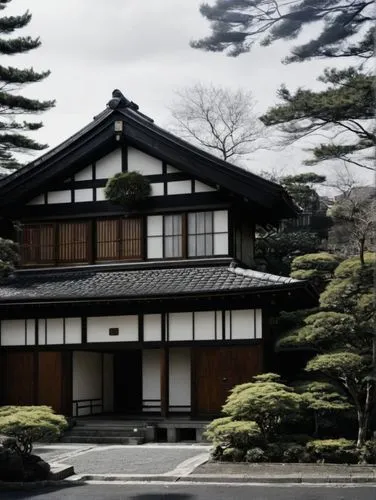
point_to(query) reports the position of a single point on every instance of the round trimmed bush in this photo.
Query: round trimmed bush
(336, 451)
(127, 188)
(295, 453)
(229, 433)
(255, 455)
(233, 455)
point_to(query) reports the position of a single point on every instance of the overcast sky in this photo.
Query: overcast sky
(142, 48)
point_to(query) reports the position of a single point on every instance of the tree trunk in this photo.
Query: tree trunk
(361, 250)
(362, 428)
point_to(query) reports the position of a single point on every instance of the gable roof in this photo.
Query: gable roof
(141, 131)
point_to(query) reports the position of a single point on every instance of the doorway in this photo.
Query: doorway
(128, 382)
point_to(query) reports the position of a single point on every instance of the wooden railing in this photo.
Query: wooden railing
(83, 404)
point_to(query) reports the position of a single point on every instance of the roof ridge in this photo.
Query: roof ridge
(251, 273)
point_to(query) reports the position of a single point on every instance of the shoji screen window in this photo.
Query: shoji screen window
(200, 234)
(173, 236)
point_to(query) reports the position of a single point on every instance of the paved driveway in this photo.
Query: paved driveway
(116, 459)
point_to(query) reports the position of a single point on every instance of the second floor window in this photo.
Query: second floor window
(118, 239)
(57, 243)
(196, 234)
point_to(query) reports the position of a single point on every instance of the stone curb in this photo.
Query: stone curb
(233, 478)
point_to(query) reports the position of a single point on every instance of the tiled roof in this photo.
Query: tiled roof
(136, 283)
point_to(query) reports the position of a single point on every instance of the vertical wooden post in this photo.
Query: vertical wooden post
(164, 365)
(193, 383)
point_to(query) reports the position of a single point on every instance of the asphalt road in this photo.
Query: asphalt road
(195, 492)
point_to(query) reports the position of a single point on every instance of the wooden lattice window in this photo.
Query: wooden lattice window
(119, 239)
(54, 243)
(37, 244)
(72, 242)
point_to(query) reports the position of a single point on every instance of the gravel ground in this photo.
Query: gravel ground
(127, 460)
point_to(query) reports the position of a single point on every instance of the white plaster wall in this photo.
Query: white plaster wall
(55, 331)
(100, 196)
(39, 200)
(157, 189)
(243, 324)
(151, 379)
(13, 332)
(73, 330)
(227, 325)
(152, 327)
(204, 325)
(86, 174)
(179, 187)
(42, 331)
(108, 165)
(30, 332)
(141, 162)
(200, 187)
(180, 379)
(218, 318)
(98, 328)
(59, 197)
(258, 324)
(172, 170)
(180, 326)
(108, 382)
(87, 377)
(81, 195)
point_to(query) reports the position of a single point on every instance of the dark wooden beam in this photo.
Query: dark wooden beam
(164, 366)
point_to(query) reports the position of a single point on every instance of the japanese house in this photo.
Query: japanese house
(157, 311)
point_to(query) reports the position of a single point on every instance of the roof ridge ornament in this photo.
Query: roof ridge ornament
(119, 101)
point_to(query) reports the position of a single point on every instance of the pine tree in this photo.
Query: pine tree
(344, 112)
(12, 104)
(237, 24)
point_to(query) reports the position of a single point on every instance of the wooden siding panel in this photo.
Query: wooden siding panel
(50, 380)
(219, 369)
(19, 380)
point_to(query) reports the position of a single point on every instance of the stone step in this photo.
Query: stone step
(121, 432)
(103, 439)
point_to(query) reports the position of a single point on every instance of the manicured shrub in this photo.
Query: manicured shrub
(255, 455)
(228, 433)
(265, 401)
(295, 453)
(233, 455)
(29, 424)
(127, 188)
(274, 452)
(295, 438)
(337, 451)
(368, 452)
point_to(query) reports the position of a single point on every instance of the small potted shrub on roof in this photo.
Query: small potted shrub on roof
(127, 189)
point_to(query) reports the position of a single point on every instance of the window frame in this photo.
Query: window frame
(185, 236)
(120, 241)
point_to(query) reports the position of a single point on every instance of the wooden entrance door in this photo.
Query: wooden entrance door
(43, 378)
(19, 378)
(218, 369)
(128, 381)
